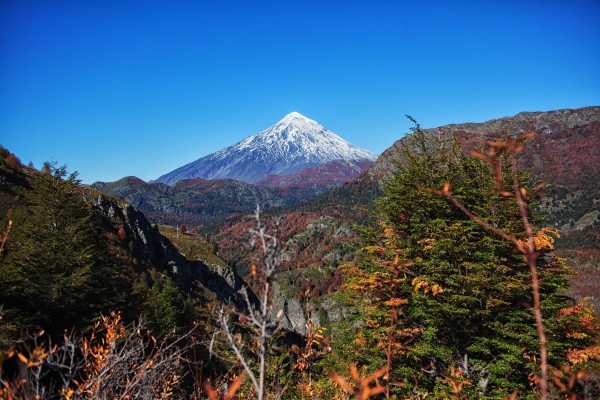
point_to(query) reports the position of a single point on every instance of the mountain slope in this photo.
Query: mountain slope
(565, 153)
(291, 145)
(565, 150)
(195, 201)
(327, 176)
(73, 253)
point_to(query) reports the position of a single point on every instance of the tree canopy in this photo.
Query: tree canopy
(457, 296)
(57, 271)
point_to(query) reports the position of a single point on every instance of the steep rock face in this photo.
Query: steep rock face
(291, 145)
(294, 317)
(148, 243)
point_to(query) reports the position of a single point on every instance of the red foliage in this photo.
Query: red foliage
(316, 292)
(331, 173)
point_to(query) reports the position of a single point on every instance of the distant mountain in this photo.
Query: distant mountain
(199, 201)
(329, 175)
(194, 201)
(291, 145)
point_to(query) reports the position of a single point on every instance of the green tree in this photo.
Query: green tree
(467, 292)
(57, 272)
(162, 304)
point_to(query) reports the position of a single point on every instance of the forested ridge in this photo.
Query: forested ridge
(429, 301)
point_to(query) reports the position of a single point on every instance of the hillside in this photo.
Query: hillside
(198, 201)
(94, 245)
(565, 153)
(194, 201)
(321, 178)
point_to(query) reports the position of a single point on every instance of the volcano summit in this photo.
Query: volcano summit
(291, 145)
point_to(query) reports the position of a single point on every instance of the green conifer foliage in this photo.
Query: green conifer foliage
(162, 304)
(467, 291)
(57, 272)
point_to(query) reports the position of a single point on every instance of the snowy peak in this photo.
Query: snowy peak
(294, 143)
(294, 114)
(297, 124)
(299, 121)
(292, 127)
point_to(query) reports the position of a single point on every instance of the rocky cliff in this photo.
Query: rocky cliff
(150, 247)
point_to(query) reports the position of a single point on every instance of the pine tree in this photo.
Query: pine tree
(162, 304)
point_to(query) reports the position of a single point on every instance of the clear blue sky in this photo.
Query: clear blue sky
(116, 88)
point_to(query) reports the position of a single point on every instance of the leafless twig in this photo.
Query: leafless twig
(259, 318)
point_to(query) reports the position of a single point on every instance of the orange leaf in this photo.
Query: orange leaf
(446, 188)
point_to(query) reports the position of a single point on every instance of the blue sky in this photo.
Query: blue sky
(117, 88)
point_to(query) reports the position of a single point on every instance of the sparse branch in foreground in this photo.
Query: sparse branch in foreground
(224, 322)
(213, 394)
(112, 362)
(260, 320)
(363, 388)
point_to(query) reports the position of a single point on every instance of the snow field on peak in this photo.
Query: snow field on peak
(291, 145)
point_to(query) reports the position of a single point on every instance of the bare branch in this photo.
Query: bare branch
(260, 320)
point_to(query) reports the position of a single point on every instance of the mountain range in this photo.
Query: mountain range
(318, 233)
(291, 162)
(564, 153)
(100, 253)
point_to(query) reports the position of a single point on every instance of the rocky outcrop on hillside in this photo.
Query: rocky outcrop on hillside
(150, 246)
(564, 151)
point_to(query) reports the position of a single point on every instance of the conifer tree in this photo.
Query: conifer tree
(162, 304)
(464, 292)
(57, 272)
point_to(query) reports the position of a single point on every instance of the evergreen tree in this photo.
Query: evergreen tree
(463, 291)
(162, 304)
(57, 272)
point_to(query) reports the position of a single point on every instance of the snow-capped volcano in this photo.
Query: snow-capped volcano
(291, 145)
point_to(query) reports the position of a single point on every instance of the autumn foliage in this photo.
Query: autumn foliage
(113, 361)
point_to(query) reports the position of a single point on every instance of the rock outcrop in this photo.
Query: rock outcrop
(148, 244)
